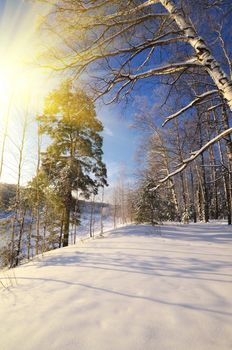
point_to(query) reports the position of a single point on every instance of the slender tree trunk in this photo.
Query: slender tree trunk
(203, 173)
(185, 215)
(67, 211)
(193, 196)
(45, 223)
(91, 221)
(37, 230)
(12, 244)
(215, 209)
(102, 207)
(226, 177)
(205, 189)
(37, 191)
(61, 232)
(18, 190)
(228, 139)
(184, 197)
(18, 251)
(75, 222)
(29, 239)
(72, 229)
(75, 234)
(201, 196)
(226, 182)
(115, 209)
(174, 199)
(114, 214)
(167, 166)
(225, 120)
(228, 198)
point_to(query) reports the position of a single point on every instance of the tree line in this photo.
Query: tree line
(199, 193)
(71, 166)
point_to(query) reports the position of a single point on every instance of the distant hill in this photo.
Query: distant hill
(86, 206)
(7, 193)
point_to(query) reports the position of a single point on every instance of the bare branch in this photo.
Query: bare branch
(214, 107)
(199, 99)
(133, 10)
(163, 70)
(193, 157)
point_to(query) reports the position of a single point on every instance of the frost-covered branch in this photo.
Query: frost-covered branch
(214, 107)
(171, 68)
(193, 103)
(193, 157)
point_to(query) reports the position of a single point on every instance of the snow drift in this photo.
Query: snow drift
(167, 287)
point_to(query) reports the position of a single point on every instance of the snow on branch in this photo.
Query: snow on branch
(166, 69)
(88, 56)
(199, 99)
(133, 10)
(193, 157)
(215, 107)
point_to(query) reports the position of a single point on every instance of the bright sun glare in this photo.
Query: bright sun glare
(20, 78)
(23, 84)
(20, 82)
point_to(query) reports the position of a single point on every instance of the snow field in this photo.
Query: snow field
(139, 287)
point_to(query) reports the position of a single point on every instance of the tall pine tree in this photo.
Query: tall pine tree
(73, 160)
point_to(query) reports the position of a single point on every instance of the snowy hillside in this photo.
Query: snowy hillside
(139, 287)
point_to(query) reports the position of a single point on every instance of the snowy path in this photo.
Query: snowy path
(139, 288)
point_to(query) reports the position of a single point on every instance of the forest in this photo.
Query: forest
(169, 64)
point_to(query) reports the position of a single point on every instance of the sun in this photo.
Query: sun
(23, 84)
(21, 81)
(21, 78)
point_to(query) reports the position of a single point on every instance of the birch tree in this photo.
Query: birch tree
(18, 207)
(124, 44)
(201, 190)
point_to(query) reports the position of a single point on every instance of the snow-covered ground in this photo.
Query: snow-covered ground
(161, 288)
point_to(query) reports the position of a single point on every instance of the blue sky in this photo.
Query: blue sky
(120, 141)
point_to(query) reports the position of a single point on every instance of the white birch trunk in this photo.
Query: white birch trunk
(204, 56)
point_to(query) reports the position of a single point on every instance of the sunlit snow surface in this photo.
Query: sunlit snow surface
(162, 288)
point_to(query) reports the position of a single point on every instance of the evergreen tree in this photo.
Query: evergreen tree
(151, 206)
(73, 160)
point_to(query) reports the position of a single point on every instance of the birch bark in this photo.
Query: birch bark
(203, 53)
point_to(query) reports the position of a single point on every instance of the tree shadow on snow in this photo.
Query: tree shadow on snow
(131, 296)
(191, 232)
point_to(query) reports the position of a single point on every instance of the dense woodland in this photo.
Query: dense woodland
(171, 61)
